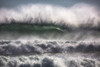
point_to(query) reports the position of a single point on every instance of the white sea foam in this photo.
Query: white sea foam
(75, 15)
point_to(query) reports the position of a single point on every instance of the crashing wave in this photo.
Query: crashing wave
(79, 22)
(76, 16)
(29, 29)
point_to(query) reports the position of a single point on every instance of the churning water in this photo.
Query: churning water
(50, 36)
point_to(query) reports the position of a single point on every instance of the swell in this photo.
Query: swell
(16, 48)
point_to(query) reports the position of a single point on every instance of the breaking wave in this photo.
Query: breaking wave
(50, 36)
(80, 14)
(79, 22)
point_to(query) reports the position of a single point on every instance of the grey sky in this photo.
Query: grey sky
(14, 3)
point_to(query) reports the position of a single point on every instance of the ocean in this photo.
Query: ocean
(43, 35)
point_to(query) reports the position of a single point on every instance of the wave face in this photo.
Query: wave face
(40, 35)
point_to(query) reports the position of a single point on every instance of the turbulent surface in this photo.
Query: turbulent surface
(41, 47)
(48, 61)
(49, 54)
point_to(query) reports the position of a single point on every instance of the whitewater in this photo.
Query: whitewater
(43, 35)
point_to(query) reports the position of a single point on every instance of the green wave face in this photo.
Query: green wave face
(30, 28)
(14, 31)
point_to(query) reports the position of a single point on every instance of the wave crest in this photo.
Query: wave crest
(73, 16)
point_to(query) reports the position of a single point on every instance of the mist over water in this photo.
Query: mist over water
(39, 13)
(42, 35)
